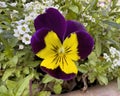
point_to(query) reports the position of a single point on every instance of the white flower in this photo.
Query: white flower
(13, 4)
(112, 52)
(1, 30)
(3, 4)
(37, 6)
(48, 2)
(116, 63)
(16, 33)
(28, 6)
(21, 46)
(85, 24)
(23, 1)
(105, 56)
(20, 22)
(93, 20)
(23, 29)
(31, 16)
(13, 13)
(101, 4)
(26, 39)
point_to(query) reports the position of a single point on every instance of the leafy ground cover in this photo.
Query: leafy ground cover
(20, 74)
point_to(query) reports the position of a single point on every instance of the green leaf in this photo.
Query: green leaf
(118, 83)
(44, 93)
(74, 8)
(11, 84)
(102, 79)
(83, 68)
(111, 23)
(98, 47)
(22, 85)
(114, 3)
(26, 70)
(92, 77)
(7, 73)
(92, 56)
(3, 89)
(2, 56)
(92, 5)
(57, 88)
(13, 61)
(13, 41)
(47, 79)
(118, 20)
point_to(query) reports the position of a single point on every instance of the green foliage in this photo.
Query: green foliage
(19, 75)
(22, 84)
(57, 88)
(47, 79)
(44, 93)
(118, 81)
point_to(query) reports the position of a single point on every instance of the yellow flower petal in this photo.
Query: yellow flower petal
(70, 44)
(49, 63)
(52, 44)
(68, 66)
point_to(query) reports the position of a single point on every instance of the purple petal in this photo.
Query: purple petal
(37, 40)
(85, 44)
(53, 20)
(73, 26)
(57, 73)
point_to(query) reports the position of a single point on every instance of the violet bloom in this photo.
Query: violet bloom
(60, 43)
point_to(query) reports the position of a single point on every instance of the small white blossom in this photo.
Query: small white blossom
(116, 63)
(112, 52)
(21, 46)
(88, 17)
(93, 19)
(16, 33)
(101, 4)
(26, 39)
(48, 2)
(104, 3)
(114, 57)
(13, 4)
(20, 22)
(23, 29)
(28, 6)
(85, 24)
(13, 13)
(105, 55)
(1, 30)
(23, 1)
(3, 4)
(31, 16)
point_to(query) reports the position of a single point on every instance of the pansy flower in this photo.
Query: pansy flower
(60, 43)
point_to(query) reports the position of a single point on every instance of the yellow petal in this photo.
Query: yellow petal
(49, 63)
(68, 66)
(70, 44)
(52, 44)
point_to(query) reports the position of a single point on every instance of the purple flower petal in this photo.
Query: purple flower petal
(53, 20)
(57, 73)
(73, 26)
(37, 40)
(85, 44)
(85, 41)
